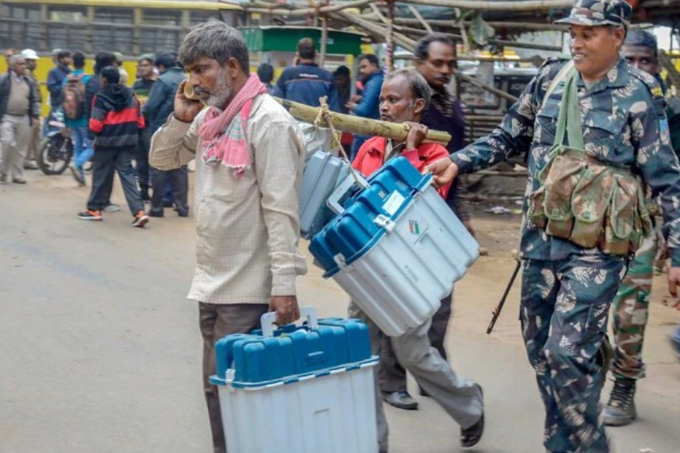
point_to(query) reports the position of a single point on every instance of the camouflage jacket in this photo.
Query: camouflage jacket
(624, 124)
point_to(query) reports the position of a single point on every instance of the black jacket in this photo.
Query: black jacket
(116, 119)
(161, 101)
(33, 99)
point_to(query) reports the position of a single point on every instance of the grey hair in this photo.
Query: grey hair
(417, 83)
(14, 58)
(215, 40)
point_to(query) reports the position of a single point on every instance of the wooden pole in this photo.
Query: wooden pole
(358, 125)
(324, 41)
(420, 18)
(307, 11)
(480, 5)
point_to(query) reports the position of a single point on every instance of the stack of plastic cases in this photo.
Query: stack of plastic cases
(397, 248)
(302, 390)
(323, 171)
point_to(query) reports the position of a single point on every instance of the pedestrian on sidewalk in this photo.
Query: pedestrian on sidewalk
(404, 97)
(116, 122)
(577, 237)
(146, 77)
(631, 305)
(74, 99)
(157, 110)
(31, 58)
(435, 55)
(249, 155)
(19, 110)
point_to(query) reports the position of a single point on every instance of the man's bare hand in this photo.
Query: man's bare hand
(186, 109)
(286, 308)
(443, 170)
(673, 282)
(416, 134)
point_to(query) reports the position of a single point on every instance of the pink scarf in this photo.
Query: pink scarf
(224, 133)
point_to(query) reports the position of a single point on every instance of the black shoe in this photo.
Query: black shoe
(183, 213)
(471, 436)
(620, 410)
(424, 393)
(401, 400)
(154, 213)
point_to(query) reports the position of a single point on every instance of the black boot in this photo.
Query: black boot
(620, 410)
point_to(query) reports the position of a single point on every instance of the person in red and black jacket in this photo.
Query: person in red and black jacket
(116, 122)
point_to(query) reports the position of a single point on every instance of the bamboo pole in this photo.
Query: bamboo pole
(307, 11)
(358, 125)
(324, 41)
(419, 16)
(480, 5)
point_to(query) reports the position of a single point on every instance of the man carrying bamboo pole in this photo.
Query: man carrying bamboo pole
(404, 97)
(435, 55)
(584, 212)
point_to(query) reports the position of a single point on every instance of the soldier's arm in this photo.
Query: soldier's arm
(514, 134)
(659, 164)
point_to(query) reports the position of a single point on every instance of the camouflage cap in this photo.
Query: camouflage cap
(593, 13)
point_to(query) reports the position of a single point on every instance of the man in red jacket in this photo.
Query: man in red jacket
(404, 96)
(116, 122)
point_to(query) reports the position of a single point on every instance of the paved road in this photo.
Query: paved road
(100, 351)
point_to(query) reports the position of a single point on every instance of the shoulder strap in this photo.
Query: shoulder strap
(569, 120)
(556, 81)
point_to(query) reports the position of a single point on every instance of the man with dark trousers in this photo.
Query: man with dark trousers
(157, 109)
(435, 59)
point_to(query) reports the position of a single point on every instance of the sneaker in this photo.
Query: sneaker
(112, 207)
(90, 215)
(30, 165)
(78, 175)
(140, 220)
(620, 410)
(19, 181)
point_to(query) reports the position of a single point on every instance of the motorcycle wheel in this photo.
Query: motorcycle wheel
(55, 155)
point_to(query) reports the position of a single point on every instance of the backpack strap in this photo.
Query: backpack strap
(556, 81)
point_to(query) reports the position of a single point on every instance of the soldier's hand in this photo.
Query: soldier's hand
(673, 283)
(443, 170)
(286, 308)
(186, 109)
(416, 134)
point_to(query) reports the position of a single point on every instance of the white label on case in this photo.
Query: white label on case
(393, 203)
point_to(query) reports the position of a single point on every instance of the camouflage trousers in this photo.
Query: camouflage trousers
(631, 311)
(564, 313)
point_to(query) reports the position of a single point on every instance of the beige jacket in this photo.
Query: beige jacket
(247, 228)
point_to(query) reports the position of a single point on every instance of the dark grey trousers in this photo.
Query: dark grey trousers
(391, 375)
(216, 321)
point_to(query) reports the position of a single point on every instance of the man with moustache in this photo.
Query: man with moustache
(249, 156)
(404, 96)
(435, 55)
(597, 134)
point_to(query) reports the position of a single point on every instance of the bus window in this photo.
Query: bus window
(67, 27)
(19, 26)
(160, 30)
(198, 17)
(113, 30)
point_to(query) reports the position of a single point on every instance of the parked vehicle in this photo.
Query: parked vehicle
(56, 151)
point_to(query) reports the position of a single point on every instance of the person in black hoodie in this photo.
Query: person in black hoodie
(116, 122)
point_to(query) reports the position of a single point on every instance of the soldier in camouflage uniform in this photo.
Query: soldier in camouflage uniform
(567, 288)
(631, 305)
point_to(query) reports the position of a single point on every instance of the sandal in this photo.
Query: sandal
(471, 436)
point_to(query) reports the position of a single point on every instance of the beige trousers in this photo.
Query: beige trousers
(15, 133)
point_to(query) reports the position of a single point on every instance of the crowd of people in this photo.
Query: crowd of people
(250, 153)
(110, 126)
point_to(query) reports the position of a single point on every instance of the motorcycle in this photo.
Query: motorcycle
(56, 151)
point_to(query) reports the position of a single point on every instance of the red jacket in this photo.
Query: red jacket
(371, 157)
